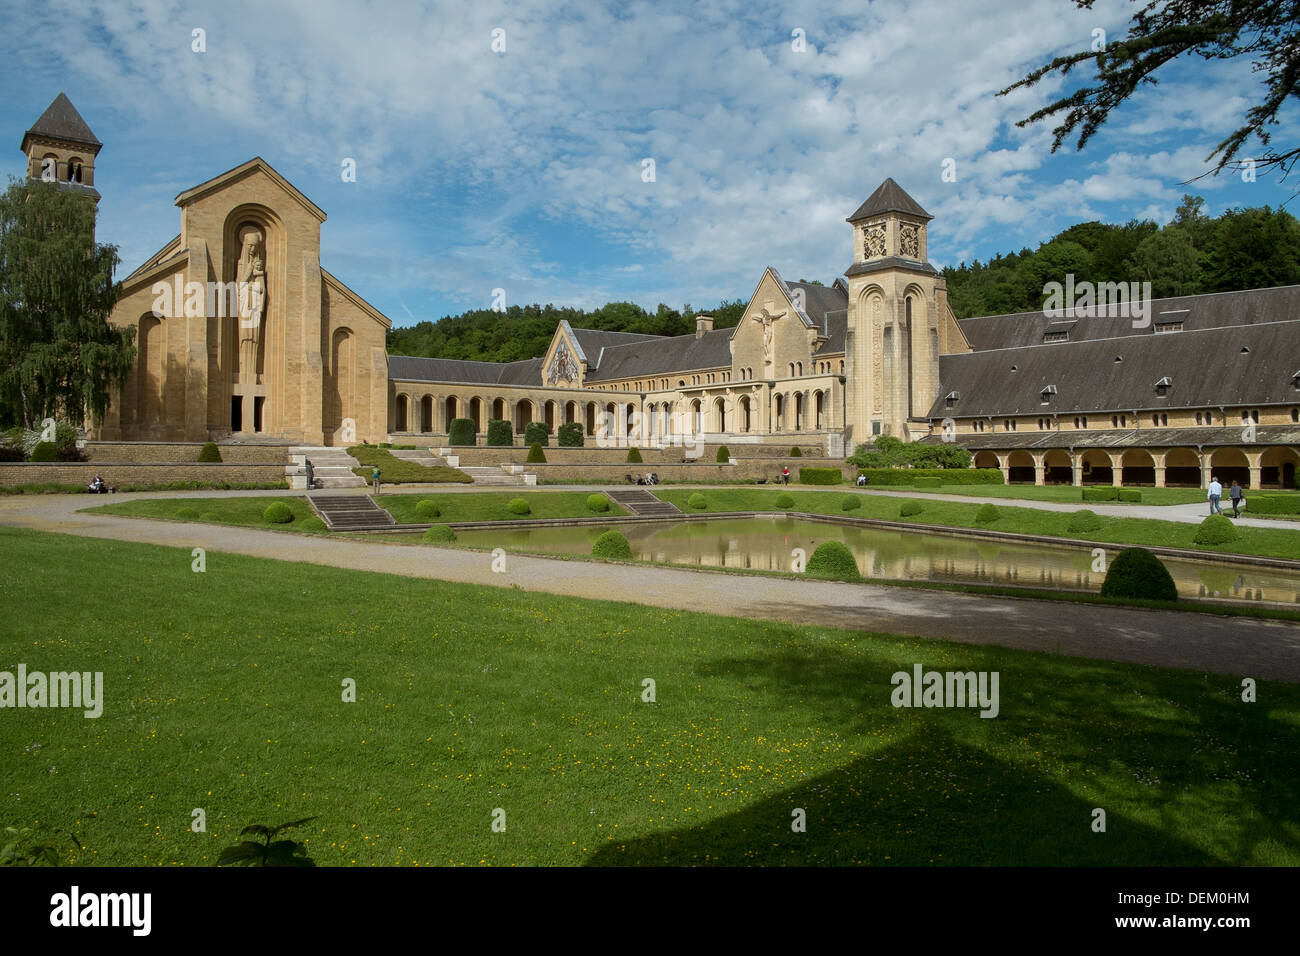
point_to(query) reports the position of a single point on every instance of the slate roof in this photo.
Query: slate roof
(1148, 437)
(827, 307)
(889, 197)
(1206, 369)
(591, 341)
(411, 368)
(664, 355)
(62, 121)
(1196, 312)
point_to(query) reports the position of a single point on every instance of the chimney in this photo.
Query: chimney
(703, 323)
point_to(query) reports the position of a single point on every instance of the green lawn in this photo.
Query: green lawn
(223, 693)
(245, 512)
(491, 506)
(1150, 532)
(394, 470)
(1067, 493)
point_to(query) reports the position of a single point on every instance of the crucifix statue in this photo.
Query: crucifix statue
(765, 319)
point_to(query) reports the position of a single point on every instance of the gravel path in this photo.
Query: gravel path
(1238, 647)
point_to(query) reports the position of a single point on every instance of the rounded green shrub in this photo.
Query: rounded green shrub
(612, 546)
(45, 451)
(634, 456)
(784, 501)
(796, 452)
(187, 513)
(535, 454)
(724, 456)
(1216, 529)
(698, 501)
(499, 432)
(518, 506)
(311, 524)
(850, 502)
(428, 508)
(210, 452)
(597, 503)
(834, 561)
(908, 508)
(462, 432)
(277, 512)
(987, 513)
(1137, 573)
(1083, 522)
(439, 534)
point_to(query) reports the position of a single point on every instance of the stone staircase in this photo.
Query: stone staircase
(332, 466)
(643, 504)
(494, 476)
(351, 512)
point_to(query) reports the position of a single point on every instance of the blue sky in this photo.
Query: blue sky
(522, 169)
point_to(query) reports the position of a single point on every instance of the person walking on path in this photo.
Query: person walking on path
(374, 477)
(1236, 496)
(1215, 495)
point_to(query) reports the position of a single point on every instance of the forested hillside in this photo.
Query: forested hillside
(1242, 249)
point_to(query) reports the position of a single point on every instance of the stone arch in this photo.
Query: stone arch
(746, 414)
(572, 412)
(819, 410)
(986, 459)
(720, 413)
(1057, 467)
(591, 419)
(1230, 464)
(152, 346)
(1278, 467)
(400, 412)
(778, 412)
(697, 417)
(1020, 467)
(1096, 467)
(1139, 467)
(1182, 468)
(74, 169)
(523, 415)
(340, 380)
(476, 413)
(268, 360)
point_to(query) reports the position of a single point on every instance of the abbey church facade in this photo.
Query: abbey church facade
(242, 334)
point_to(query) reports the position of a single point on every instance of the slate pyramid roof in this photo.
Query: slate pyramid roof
(889, 197)
(62, 121)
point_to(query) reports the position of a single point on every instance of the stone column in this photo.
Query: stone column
(1076, 467)
(1040, 477)
(1116, 469)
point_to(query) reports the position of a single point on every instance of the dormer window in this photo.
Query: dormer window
(1055, 337)
(951, 399)
(1045, 397)
(1295, 380)
(1162, 386)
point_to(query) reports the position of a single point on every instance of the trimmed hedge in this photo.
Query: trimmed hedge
(570, 435)
(537, 433)
(796, 452)
(428, 508)
(612, 546)
(535, 454)
(850, 502)
(948, 476)
(518, 506)
(698, 501)
(724, 456)
(1216, 529)
(928, 482)
(909, 508)
(987, 513)
(499, 433)
(784, 501)
(209, 452)
(1083, 522)
(1137, 573)
(597, 503)
(820, 476)
(1111, 493)
(1274, 505)
(634, 456)
(439, 534)
(1130, 494)
(462, 432)
(834, 561)
(45, 451)
(277, 512)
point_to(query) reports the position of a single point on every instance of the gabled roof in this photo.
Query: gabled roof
(664, 355)
(591, 342)
(62, 121)
(889, 197)
(256, 164)
(167, 252)
(413, 368)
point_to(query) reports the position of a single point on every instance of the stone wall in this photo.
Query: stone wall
(80, 473)
(702, 473)
(158, 453)
(593, 455)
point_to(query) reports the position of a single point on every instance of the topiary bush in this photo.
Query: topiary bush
(311, 524)
(612, 546)
(439, 534)
(634, 456)
(928, 482)
(820, 476)
(1101, 493)
(570, 435)
(1083, 522)
(834, 561)
(724, 456)
(698, 501)
(518, 506)
(209, 452)
(277, 512)
(987, 513)
(45, 451)
(784, 501)
(535, 454)
(499, 433)
(850, 502)
(1137, 573)
(796, 452)
(1130, 494)
(187, 513)
(1216, 529)
(909, 508)
(428, 508)
(462, 432)
(1275, 504)
(597, 503)
(537, 433)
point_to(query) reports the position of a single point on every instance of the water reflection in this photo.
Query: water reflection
(765, 543)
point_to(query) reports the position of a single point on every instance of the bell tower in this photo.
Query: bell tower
(60, 148)
(897, 301)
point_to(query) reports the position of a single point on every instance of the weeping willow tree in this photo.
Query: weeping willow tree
(59, 357)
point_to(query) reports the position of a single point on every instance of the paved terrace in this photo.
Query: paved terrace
(1233, 646)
